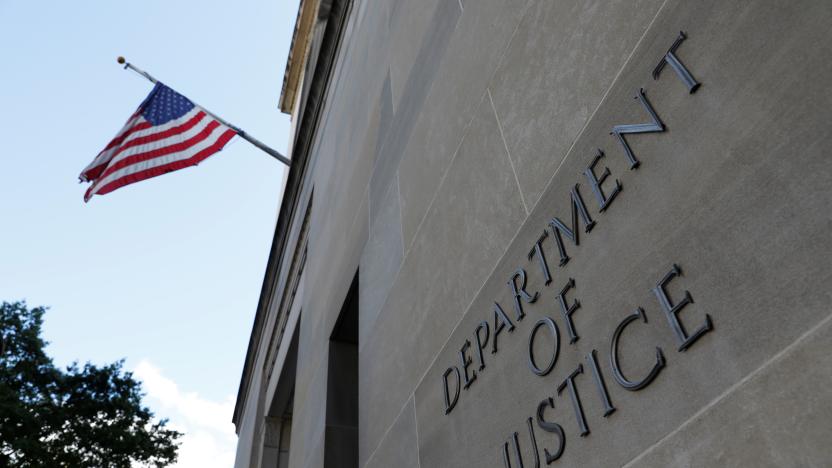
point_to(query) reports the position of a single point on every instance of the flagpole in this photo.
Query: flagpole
(240, 132)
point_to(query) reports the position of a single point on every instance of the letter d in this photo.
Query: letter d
(451, 402)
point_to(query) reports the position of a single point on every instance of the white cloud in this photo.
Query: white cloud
(209, 440)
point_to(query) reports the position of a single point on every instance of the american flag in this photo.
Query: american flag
(167, 132)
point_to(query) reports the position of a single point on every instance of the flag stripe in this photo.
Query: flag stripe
(158, 156)
(162, 147)
(142, 128)
(106, 154)
(151, 129)
(160, 166)
(153, 137)
(129, 126)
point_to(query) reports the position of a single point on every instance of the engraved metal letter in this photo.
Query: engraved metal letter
(450, 402)
(518, 457)
(578, 208)
(655, 126)
(614, 361)
(520, 291)
(592, 360)
(537, 251)
(672, 311)
(481, 342)
(569, 310)
(595, 181)
(501, 321)
(553, 329)
(551, 427)
(576, 399)
(677, 66)
(466, 362)
(534, 443)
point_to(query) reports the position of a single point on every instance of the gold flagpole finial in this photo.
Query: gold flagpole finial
(120, 60)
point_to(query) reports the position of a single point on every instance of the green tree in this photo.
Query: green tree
(84, 416)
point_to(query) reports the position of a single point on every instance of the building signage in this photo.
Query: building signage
(471, 356)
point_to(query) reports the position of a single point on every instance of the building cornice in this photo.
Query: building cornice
(298, 51)
(308, 116)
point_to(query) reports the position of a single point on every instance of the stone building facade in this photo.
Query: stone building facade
(522, 233)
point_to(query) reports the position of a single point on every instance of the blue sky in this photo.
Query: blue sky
(165, 273)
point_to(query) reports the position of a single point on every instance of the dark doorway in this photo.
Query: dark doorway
(278, 424)
(341, 438)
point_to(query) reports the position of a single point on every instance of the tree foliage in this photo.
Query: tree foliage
(83, 416)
